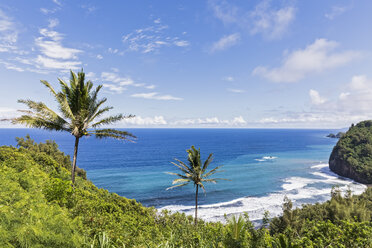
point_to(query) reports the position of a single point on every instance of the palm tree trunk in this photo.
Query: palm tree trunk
(73, 168)
(196, 205)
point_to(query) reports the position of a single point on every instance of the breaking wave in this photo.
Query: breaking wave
(299, 190)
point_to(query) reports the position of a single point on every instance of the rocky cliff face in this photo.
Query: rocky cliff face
(343, 168)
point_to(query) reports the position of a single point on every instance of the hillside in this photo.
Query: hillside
(352, 155)
(39, 208)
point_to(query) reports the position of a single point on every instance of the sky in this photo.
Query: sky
(212, 63)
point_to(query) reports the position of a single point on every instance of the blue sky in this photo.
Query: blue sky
(267, 64)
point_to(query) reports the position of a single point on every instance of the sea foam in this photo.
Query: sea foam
(266, 158)
(298, 189)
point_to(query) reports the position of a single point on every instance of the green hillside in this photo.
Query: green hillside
(352, 155)
(39, 208)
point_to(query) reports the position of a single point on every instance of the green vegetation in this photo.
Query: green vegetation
(79, 107)
(195, 171)
(39, 208)
(352, 156)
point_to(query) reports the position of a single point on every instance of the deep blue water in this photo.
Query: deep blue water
(137, 170)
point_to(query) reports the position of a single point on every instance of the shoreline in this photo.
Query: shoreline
(299, 190)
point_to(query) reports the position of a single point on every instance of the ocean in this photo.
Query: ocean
(263, 166)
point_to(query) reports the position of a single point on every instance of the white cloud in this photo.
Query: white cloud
(351, 105)
(7, 113)
(264, 19)
(117, 84)
(51, 63)
(89, 8)
(313, 119)
(50, 53)
(270, 22)
(46, 11)
(50, 45)
(99, 56)
(53, 10)
(151, 39)
(117, 89)
(358, 96)
(157, 21)
(156, 96)
(211, 121)
(224, 11)
(115, 78)
(5, 22)
(238, 121)
(112, 50)
(225, 42)
(236, 90)
(229, 79)
(315, 98)
(11, 66)
(145, 121)
(8, 33)
(57, 2)
(182, 43)
(53, 23)
(336, 11)
(315, 58)
(90, 75)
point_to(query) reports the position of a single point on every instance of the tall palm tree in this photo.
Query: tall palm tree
(196, 172)
(80, 113)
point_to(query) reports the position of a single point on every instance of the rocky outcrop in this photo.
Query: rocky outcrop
(336, 136)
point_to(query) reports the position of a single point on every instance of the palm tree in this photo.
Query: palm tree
(195, 172)
(80, 113)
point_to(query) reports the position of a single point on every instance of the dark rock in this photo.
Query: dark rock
(343, 168)
(336, 136)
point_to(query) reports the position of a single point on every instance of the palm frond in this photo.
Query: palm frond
(39, 108)
(179, 180)
(49, 87)
(37, 122)
(65, 107)
(97, 112)
(110, 120)
(179, 175)
(183, 168)
(175, 186)
(213, 171)
(94, 94)
(113, 133)
(207, 162)
(190, 170)
(215, 179)
(186, 174)
(202, 186)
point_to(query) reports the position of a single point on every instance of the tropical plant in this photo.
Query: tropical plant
(195, 171)
(80, 110)
(237, 226)
(283, 242)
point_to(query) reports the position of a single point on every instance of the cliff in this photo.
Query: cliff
(352, 155)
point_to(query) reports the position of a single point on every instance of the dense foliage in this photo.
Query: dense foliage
(40, 208)
(352, 156)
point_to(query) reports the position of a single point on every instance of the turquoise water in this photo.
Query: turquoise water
(263, 165)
